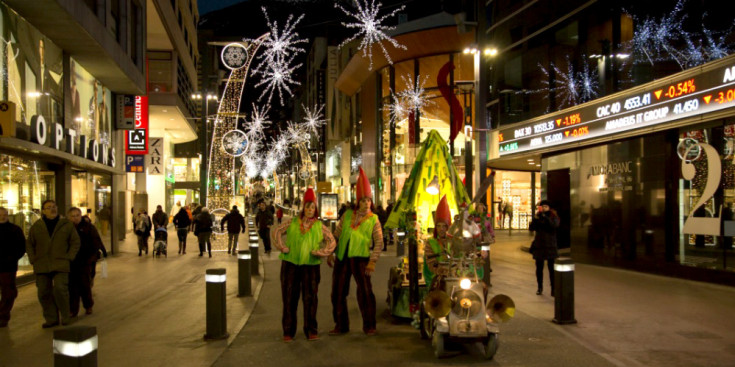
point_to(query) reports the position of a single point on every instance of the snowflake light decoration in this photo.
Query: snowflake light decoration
(396, 108)
(279, 45)
(295, 133)
(370, 27)
(654, 39)
(314, 118)
(235, 143)
(571, 87)
(414, 96)
(278, 77)
(234, 56)
(255, 128)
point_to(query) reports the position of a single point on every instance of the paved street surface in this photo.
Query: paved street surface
(150, 312)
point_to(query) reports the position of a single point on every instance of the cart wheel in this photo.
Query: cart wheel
(425, 323)
(439, 341)
(491, 346)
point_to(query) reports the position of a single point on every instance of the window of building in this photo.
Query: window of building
(160, 71)
(32, 70)
(24, 185)
(92, 194)
(91, 105)
(136, 31)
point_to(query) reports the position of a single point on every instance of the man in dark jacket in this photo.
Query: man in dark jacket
(160, 219)
(203, 230)
(196, 210)
(235, 223)
(182, 224)
(263, 220)
(11, 250)
(545, 222)
(80, 276)
(52, 244)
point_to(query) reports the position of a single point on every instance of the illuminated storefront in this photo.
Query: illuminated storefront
(644, 178)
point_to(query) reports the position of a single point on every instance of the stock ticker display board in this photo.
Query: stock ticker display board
(711, 90)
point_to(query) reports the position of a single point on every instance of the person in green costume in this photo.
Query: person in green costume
(358, 231)
(301, 258)
(437, 247)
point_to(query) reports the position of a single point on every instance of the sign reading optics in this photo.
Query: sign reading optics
(661, 102)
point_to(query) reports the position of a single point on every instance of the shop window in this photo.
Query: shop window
(91, 105)
(32, 70)
(24, 185)
(92, 194)
(698, 201)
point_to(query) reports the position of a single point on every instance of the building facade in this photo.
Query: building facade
(627, 131)
(64, 64)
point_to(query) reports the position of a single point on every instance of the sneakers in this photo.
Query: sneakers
(287, 339)
(313, 337)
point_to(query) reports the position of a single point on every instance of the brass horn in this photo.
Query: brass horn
(437, 304)
(501, 307)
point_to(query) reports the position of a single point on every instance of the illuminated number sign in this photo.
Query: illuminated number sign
(136, 140)
(652, 104)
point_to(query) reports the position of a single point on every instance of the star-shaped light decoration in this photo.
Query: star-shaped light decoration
(279, 44)
(370, 27)
(314, 118)
(255, 128)
(277, 77)
(414, 96)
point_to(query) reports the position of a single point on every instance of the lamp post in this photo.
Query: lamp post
(203, 139)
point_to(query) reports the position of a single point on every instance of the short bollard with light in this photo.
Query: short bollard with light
(564, 291)
(216, 280)
(75, 346)
(244, 286)
(254, 247)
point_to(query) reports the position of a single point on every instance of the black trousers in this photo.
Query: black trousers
(265, 235)
(540, 272)
(8, 293)
(343, 271)
(80, 286)
(303, 281)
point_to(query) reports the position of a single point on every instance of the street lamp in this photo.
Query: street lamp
(205, 98)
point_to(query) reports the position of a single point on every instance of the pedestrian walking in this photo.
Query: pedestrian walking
(52, 244)
(301, 259)
(357, 232)
(195, 213)
(235, 223)
(12, 249)
(182, 222)
(175, 210)
(279, 214)
(104, 219)
(203, 230)
(80, 275)
(143, 231)
(160, 219)
(545, 223)
(264, 220)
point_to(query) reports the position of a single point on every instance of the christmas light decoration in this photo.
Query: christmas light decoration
(414, 97)
(570, 87)
(397, 107)
(235, 143)
(280, 47)
(314, 118)
(370, 28)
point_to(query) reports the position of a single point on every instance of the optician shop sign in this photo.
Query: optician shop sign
(656, 104)
(63, 139)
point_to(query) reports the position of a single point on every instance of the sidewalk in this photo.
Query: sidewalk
(624, 319)
(148, 312)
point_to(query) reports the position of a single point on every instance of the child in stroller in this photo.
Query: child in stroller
(160, 242)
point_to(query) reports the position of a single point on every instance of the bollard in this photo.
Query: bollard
(75, 346)
(400, 249)
(254, 246)
(243, 273)
(564, 291)
(216, 304)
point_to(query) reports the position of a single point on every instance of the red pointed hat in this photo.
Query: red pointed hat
(309, 196)
(443, 214)
(362, 188)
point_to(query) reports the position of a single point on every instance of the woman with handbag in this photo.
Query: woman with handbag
(545, 222)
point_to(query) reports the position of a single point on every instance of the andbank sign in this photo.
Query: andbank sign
(63, 139)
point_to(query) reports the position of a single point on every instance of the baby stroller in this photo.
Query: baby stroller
(160, 242)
